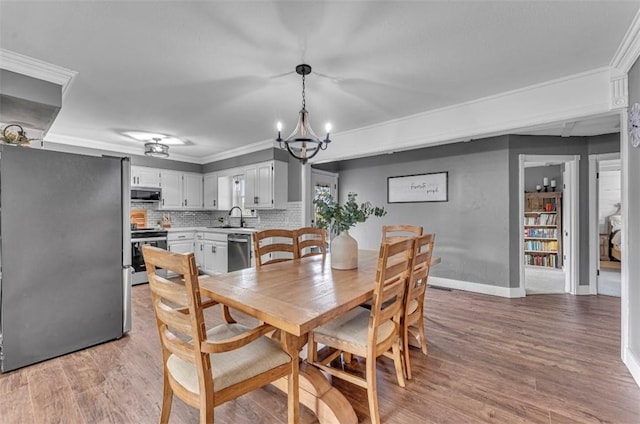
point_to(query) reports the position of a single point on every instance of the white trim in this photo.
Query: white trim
(243, 150)
(521, 165)
(619, 91)
(571, 268)
(624, 246)
(594, 233)
(109, 147)
(633, 364)
(565, 99)
(470, 286)
(629, 49)
(35, 68)
(573, 279)
(584, 290)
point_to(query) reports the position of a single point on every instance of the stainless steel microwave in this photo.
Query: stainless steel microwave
(145, 195)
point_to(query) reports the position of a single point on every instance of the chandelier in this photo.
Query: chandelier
(303, 143)
(156, 149)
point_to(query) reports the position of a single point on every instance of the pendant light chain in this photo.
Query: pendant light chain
(304, 103)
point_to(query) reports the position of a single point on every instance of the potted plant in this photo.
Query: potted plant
(339, 219)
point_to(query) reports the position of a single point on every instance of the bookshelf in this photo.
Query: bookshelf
(543, 229)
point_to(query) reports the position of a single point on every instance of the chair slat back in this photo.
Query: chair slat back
(311, 241)
(284, 245)
(391, 233)
(422, 253)
(394, 264)
(178, 309)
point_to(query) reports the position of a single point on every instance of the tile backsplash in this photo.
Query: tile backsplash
(288, 218)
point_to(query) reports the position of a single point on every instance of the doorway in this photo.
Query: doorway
(606, 222)
(549, 219)
(322, 182)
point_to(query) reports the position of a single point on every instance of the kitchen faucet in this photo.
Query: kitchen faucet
(241, 217)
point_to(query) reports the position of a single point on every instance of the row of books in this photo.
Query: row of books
(542, 219)
(541, 232)
(549, 246)
(550, 261)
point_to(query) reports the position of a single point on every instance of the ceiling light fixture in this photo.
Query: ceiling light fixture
(156, 149)
(303, 143)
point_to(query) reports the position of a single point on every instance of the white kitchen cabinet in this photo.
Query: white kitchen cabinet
(171, 190)
(230, 188)
(210, 191)
(181, 190)
(215, 257)
(212, 250)
(192, 190)
(266, 185)
(142, 176)
(180, 241)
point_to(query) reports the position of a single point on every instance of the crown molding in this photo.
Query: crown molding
(629, 49)
(35, 68)
(483, 100)
(243, 150)
(137, 150)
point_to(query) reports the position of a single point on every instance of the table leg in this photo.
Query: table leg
(329, 405)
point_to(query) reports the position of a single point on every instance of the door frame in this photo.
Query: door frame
(308, 203)
(571, 264)
(594, 211)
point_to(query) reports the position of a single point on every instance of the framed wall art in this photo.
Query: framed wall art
(418, 188)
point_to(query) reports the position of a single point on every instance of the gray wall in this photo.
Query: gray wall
(633, 229)
(138, 160)
(478, 228)
(295, 187)
(472, 233)
(533, 176)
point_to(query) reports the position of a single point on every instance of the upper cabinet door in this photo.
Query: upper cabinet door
(141, 176)
(192, 191)
(210, 191)
(171, 190)
(266, 185)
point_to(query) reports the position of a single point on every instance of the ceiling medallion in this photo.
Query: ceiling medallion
(303, 143)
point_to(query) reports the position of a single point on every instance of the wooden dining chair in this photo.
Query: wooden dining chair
(398, 232)
(311, 241)
(272, 246)
(413, 315)
(370, 334)
(206, 368)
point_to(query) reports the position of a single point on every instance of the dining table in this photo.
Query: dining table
(295, 297)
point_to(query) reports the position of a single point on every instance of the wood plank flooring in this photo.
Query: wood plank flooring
(541, 359)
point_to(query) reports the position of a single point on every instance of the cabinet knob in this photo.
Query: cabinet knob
(255, 199)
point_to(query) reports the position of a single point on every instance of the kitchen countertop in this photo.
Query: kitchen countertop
(215, 230)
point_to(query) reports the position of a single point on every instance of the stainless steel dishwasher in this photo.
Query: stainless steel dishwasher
(239, 253)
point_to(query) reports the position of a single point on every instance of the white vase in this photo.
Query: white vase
(344, 252)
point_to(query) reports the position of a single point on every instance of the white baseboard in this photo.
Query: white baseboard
(633, 363)
(476, 287)
(586, 290)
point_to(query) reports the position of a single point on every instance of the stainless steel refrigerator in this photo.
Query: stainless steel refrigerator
(65, 253)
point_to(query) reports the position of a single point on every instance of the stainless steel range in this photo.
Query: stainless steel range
(140, 237)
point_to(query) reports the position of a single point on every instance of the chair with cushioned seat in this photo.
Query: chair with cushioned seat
(369, 334)
(208, 368)
(413, 316)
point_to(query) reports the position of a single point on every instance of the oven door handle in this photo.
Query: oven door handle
(144, 240)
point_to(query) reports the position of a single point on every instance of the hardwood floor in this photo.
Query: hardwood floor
(540, 359)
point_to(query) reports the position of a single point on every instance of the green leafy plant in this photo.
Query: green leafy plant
(339, 218)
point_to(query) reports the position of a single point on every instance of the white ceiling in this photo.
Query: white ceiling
(220, 74)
